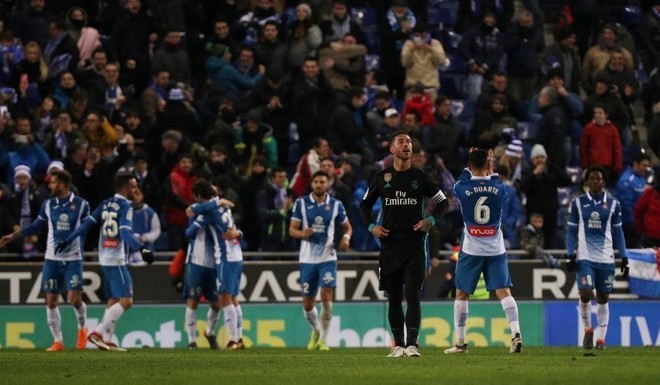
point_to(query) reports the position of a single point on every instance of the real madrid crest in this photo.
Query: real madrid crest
(387, 177)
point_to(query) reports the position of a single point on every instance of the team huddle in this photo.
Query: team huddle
(214, 259)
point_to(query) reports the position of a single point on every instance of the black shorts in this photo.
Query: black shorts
(397, 253)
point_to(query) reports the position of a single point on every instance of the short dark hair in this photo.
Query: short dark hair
(594, 169)
(320, 173)
(277, 169)
(122, 179)
(478, 158)
(397, 133)
(63, 176)
(203, 188)
(640, 156)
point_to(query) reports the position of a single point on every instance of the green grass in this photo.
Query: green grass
(484, 366)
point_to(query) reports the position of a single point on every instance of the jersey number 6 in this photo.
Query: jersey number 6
(481, 211)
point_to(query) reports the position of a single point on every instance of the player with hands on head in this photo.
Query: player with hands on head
(403, 190)
(313, 221)
(594, 226)
(115, 217)
(62, 213)
(481, 195)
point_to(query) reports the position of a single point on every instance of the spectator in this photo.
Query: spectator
(219, 169)
(59, 142)
(24, 208)
(598, 56)
(343, 62)
(421, 56)
(65, 89)
(172, 56)
(311, 100)
(132, 34)
(92, 72)
(629, 189)
(178, 196)
(531, 237)
(270, 100)
(563, 56)
(482, 48)
(253, 182)
(61, 52)
(32, 76)
(304, 37)
(607, 96)
(146, 227)
(339, 24)
(274, 204)
(523, 43)
(44, 116)
(419, 102)
(394, 29)
(270, 51)
(349, 131)
(649, 37)
(540, 183)
(444, 138)
(148, 182)
(154, 98)
(513, 158)
(87, 39)
(246, 63)
(32, 23)
(99, 131)
(308, 165)
(133, 125)
(109, 95)
(511, 209)
(247, 28)
(223, 75)
(222, 36)
(254, 138)
(647, 215)
(499, 84)
(552, 129)
(25, 150)
(600, 145)
(486, 132)
(382, 134)
(623, 80)
(179, 114)
(11, 53)
(172, 146)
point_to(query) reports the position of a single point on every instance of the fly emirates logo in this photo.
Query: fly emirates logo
(400, 199)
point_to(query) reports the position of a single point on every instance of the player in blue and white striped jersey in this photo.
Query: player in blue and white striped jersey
(115, 216)
(229, 266)
(595, 224)
(61, 214)
(313, 221)
(481, 194)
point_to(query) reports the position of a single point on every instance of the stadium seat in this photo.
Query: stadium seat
(443, 12)
(371, 36)
(451, 84)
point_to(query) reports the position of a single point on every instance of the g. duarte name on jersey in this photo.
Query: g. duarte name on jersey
(482, 189)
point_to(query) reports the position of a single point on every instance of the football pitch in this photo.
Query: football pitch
(483, 366)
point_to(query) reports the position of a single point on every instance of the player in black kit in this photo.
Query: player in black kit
(403, 190)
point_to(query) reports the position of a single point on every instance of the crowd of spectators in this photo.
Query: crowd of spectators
(257, 95)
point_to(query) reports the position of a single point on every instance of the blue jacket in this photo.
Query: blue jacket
(225, 76)
(511, 209)
(628, 190)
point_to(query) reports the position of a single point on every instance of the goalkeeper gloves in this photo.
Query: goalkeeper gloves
(624, 267)
(147, 255)
(571, 265)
